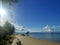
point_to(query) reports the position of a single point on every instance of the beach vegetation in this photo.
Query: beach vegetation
(6, 33)
(27, 33)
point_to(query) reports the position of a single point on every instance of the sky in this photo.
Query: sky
(37, 15)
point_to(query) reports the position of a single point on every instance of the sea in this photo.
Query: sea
(50, 36)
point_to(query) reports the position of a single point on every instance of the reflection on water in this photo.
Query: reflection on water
(47, 36)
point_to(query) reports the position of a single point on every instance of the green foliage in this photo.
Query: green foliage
(5, 33)
(27, 33)
(7, 37)
(3, 42)
(9, 28)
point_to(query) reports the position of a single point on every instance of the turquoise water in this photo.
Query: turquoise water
(53, 36)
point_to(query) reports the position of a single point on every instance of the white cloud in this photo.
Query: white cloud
(48, 28)
(21, 28)
(2, 22)
(18, 27)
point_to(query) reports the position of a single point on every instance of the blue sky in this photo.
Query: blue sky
(35, 14)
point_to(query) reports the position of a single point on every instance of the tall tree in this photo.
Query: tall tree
(1, 32)
(9, 27)
(5, 33)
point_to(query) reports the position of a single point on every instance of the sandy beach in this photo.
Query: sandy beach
(25, 40)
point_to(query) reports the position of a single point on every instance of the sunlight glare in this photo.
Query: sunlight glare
(2, 12)
(3, 16)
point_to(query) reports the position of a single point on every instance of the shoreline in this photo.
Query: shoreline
(44, 39)
(26, 40)
(40, 39)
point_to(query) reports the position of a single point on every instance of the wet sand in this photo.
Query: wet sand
(25, 40)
